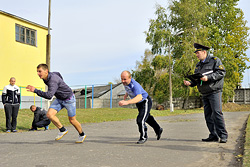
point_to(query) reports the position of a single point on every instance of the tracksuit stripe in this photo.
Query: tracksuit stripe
(143, 120)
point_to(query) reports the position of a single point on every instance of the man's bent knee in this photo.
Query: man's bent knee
(51, 113)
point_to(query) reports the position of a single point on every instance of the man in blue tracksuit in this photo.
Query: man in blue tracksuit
(143, 102)
(11, 102)
(210, 84)
(64, 99)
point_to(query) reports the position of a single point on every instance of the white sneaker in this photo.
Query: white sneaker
(81, 139)
(61, 134)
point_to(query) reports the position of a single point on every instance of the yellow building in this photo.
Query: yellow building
(22, 48)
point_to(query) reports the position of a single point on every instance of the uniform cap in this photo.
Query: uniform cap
(200, 47)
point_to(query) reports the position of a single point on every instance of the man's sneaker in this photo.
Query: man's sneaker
(81, 139)
(61, 134)
(141, 141)
(8, 131)
(46, 127)
(14, 131)
(32, 129)
(158, 135)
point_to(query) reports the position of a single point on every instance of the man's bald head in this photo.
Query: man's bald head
(126, 77)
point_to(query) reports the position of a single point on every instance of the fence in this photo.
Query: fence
(242, 96)
(87, 102)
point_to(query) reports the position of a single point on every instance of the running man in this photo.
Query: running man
(64, 99)
(143, 102)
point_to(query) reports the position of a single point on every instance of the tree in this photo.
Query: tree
(215, 23)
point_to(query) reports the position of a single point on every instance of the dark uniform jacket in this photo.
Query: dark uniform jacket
(213, 68)
(39, 115)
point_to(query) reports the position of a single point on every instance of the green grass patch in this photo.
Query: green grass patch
(25, 116)
(246, 158)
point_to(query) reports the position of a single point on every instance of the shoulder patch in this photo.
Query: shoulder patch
(214, 58)
(221, 67)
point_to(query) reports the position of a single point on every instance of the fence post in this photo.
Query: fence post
(244, 96)
(85, 96)
(92, 96)
(110, 95)
(20, 98)
(41, 99)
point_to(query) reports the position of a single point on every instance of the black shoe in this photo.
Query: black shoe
(210, 139)
(223, 140)
(158, 135)
(32, 129)
(141, 141)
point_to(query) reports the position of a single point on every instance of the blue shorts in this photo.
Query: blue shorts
(69, 104)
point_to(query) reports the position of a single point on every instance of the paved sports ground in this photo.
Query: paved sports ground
(112, 144)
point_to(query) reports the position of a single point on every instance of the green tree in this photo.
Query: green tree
(215, 23)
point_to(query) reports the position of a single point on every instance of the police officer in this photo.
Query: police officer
(143, 102)
(210, 85)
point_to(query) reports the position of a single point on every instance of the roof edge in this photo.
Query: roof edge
(22, 19)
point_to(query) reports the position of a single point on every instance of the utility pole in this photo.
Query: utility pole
(48, 47)
(170, 73)
(48, 44)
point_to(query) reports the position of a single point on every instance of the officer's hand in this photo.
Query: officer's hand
(204, 78)
(187, 83)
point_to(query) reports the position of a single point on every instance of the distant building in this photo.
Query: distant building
(101, 95)
(22, 48)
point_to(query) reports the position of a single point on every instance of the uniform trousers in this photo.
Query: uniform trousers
(214, 116)
(144, 116)
(11, 112)
(40, 124)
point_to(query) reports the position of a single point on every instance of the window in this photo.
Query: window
(25, 35)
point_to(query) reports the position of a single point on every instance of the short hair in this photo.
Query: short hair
(43, 66)
(32, 106)
(129, 74)
(12, 78)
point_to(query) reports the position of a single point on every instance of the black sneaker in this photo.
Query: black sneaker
(223, 140)
(210, 139)
(141, 141)
(158, 135)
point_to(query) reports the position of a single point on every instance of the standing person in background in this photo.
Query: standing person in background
(64, 99)
(143, 102)
(40, 118)
(210, 85)
(11, 102)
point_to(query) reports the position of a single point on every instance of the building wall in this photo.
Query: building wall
(17, 59)
(115, 92)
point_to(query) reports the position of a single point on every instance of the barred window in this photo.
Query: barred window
(25, 35)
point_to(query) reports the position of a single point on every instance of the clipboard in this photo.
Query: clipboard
(195, 77)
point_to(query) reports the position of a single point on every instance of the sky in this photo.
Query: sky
(94, 41)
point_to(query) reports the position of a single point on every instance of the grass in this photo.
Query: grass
(246, 157)
(25, 116)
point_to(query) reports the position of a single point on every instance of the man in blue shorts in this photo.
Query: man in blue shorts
(143, 102)
(64, 99)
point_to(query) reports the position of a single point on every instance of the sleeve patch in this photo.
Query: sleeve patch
(221, 67)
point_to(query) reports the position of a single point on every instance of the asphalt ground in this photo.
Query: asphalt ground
(112, 144)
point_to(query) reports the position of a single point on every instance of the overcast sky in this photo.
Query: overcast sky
(93, 41)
